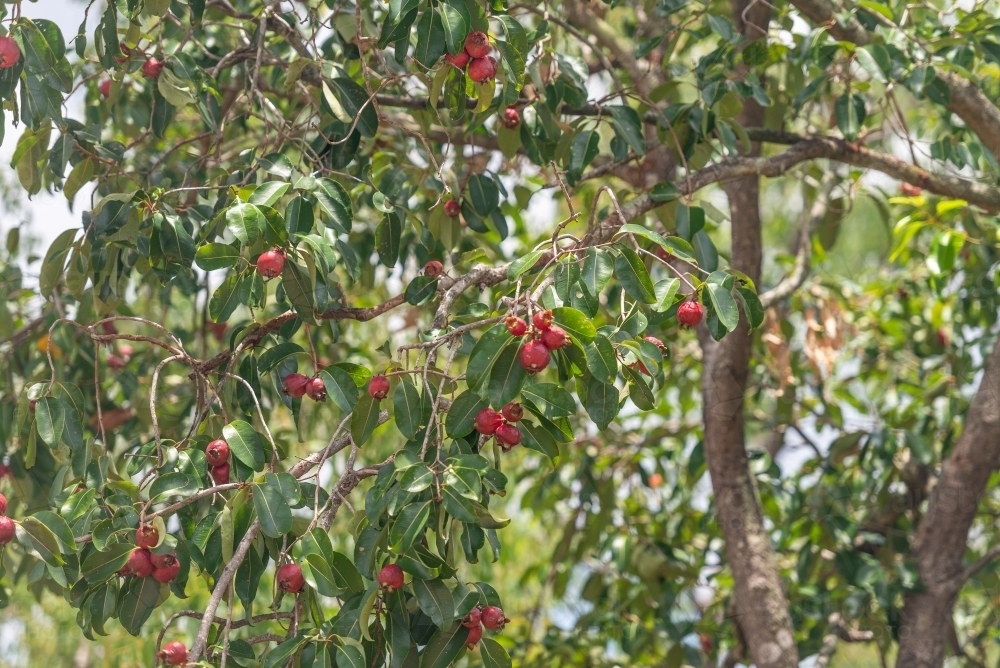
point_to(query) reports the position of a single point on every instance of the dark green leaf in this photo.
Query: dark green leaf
(632, 273)
(245, 444)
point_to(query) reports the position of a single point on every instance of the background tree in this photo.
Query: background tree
(311, 220)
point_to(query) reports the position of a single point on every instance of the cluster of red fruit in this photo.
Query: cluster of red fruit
(10, 53)
(143, 563)
(481, 66)
(297, 385)
(7, 526)
(217, 456)
(545, 337)
(501, 425)
(150, 68)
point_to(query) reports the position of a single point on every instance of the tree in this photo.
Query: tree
(281, 187)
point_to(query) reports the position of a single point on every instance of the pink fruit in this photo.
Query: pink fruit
(173, 654)
(452, 208)
(316, 389)
(139, 563)
(295, 385)
(477, 44)
(3, 504)
(656, 342)
(555, 338)
(690, 313)
(169, 569)
(391, 577)
(290, 578)
(474, 618)
(475, 635)
(512, 412)
(483, 69)
(510, 118)
(488, 421)
(7, 530)
(105, 88)
(508, 436)
(542, 320)
(459, 60)
(534, 356)
(146, 536)
(378, 388)
(493, 618)
(433, 269)
(220, 474)
(516, 326)
(217, 452)
(10, 53)
(271, 263)
(152, 67)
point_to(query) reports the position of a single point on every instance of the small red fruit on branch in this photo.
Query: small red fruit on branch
(295, 385)
(220, 474)
(146, 536)
(516, 326)
(271, 263)
(316, 389)
(173, 654)
(483, 69)
(534, 356)
(3, 504)
(452, 208)
(909, 189)
(656, 342)
(152, 67)
(7, 530)
(390, 577)
(474, 618)
(139, 563)
(542, 320)
(378, 387)
(493, 618)
(555, 338)
(488, 421)
(475, 635)
(510, 118)
(690, 313)
(165, 567)
(433, 269)
(290, 578)
(105, 88)
(10, 53)
(217, 453)
(459, 60)
(512, 412)
(508, 436)
(477, 44)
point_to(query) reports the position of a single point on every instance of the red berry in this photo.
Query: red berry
(3, 504)
(163, 560)
(219, 330)
(656, 342)
(105, 88)
(483, 69)
(217, 453)
(316, 389)
(290, 578)
(10, 53)
(477, 44)
(510, 118)
(173, 654)
(512, 412)
(5, 472)
(152, 67)
(433, 269)
(640, 367)
(534, 356)
(139, 563)
(116, 363)
(516, 326)
(475, 635)
(555, 338)
(689, 313)
(391, 577)
(220, 474)
(126, 351)
(271, 263)
(706, 643)
(487, 421)
(542, 320)
(295, 385)
(508, 436)
(474, 618)
(459, 60)
(493, 618)
(452, 208)
(7, 530)
(146, 536)
(378, 388)
(909, 189)
(168, 570)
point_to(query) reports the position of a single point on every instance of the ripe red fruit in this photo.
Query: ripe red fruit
(146, 536)
(316, 389)
(516, 326)
(295, 385)
(475, 635)
(126, 351)
(477, 44)
(168, 570)
(378, 388)
(555, 338)
(655, 480)
(493, 618)
(510, 118)
(10, 53)
(909, 189)
(105, 88)
(139, 563)
(690, 313)
(5, 472)
(656, 342)
(483, 69)
(512, 412)
(173, 654)
(290, 578)
(488, 421)
(542, 320)
(152, 67)
(706, 643)
(3, 504)
(459, 60)
(508, 436)
(474, 618)
(452, 208)
(7, 530)
(534, 356)
(391, 577)
(271, 263)
(220, 474)
(163, 560)
(433, 269)
(217, 452)
(116, 363)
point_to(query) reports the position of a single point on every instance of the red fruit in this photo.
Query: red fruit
(108, 327)
(115, 362)
(433, 269)
(218, 330)
(655, 480)
(534, 356)
(656, 342)
(942, 337)
(173, 654)
(483, 69)
(146, 536)
(488, 421)
(10, 53)
(477, 44)
(378, 388)
(217, 453)
(126, 351)
(510, 118)
(168, 572)
(139, 563)
(105, 88)
(163, 560)
(508, 436)
(474, 618)
(475, 635)
(7, 530)
(542, 320)
(909, 189)
(459, 60)
(706, 643)
(493, 618)
(316, 389)
(391, 577)
(452, 208)
(639, 366)
(271, 263)
(5, 472)
(512, 412)
(152, 67)
(295, 385)
(290, 578)
(3, 504)
(220, 474)
(690, 313)
(555, 338)
(516, 326)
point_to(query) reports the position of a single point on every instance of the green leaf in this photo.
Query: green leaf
(627, 126)
(50, 420)
(416, 479)
(665, 191)
(484, 194)
(245, 221)
(300, 290)
(59, 528)
(280, 655)
(457, 505)
(245, 444)
(420, 289)
(455, 23)
(346, 574)
(137, 603)
(850, 112)
(351, 655)
(340, 388)
(444, 646)
(724, 305)
(406, 408)
(602, 402)
(632, 274)
(365, 419)
(388, 235)
(35, 535)
(493, 654)
(435, 599)
(524, 263)
(335, 202)
(216, 256)
(582, 152)
(272, 509)
(553, 400)
(271, 357)
(665, 291)
(233, 292)
(640, 393)
(409, 526)
(751, 306)
(537, 438)
(100, 566)
(601, 359)
(267, 194)
(55, 262)
(431, 38)
(598, 267)
(705, 251)
(576, 323)
(462, 414)
(507, 377)
(174, 483)
(354, 99)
